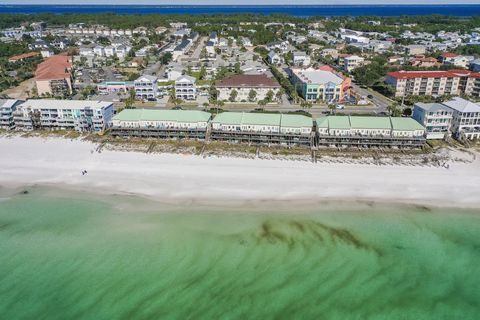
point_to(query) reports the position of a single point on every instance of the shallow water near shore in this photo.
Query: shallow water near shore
(67, 255)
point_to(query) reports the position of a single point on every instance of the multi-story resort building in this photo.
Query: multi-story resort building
(78, 115)
(245, 85)
(434, 83)
(146, 87)
(161, 123)
(320, 84)
(435, 117)
(369, 131)
(227, 126)
(263, 128)
(7, 108)
(466, 118)
(185, 88)
(53, 76)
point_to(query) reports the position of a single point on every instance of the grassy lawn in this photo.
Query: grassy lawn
(144, 104)
(167, 83)
(205, 82)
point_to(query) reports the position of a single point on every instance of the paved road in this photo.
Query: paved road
(198, 49)
(378, 99)
(154, 69)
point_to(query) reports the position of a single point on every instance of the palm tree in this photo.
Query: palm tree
(233, 95)
(176, 102)
(305, 104)
(213, 92)
(332, 107)
(279, 95)
(252, 95)
(130, 99)
(269, 96)
(394, 109)
(262, 103)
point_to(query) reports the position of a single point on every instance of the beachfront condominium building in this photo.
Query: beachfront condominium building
(466, 118)
(435, 117)
(78, 115)
(7, 108)
(262, 128)
(185, 88)
(53, 77)
(369, 131)
(146, 87)
(161, 123)
(247, 87)
(434, 83)
(321, 84)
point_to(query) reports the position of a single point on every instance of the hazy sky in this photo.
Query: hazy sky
(239, 2)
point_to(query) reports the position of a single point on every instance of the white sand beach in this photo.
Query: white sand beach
(173, 177)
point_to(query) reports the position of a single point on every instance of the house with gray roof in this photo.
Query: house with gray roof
(466, 118)
(274, 58)
(435, 117)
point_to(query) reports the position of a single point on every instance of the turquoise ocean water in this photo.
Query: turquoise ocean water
(78, 256)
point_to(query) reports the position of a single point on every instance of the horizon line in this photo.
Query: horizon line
(246, 5)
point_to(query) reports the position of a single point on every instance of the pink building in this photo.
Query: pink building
(114, 87)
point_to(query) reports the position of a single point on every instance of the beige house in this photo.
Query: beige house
(247, 87)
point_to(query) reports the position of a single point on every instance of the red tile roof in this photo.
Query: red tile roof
(56, 67)
(23, 56)
(449, 55)
(433, 74)
(326, 68)
(243, 80)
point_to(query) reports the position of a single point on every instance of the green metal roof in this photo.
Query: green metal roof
(162, 115)
(355, 122)
(370, 122)
(233, 118)
(405, 124)
(339, 122)
(267, 119)
(296, 121)
(322, 122)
